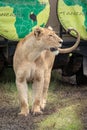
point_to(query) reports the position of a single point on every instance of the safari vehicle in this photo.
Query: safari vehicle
(18, 18)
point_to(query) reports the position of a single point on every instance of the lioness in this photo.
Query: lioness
(33, 61)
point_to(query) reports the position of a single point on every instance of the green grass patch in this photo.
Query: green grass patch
(65, 119)
(65, 106)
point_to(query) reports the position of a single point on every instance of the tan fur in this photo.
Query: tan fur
(33, 61)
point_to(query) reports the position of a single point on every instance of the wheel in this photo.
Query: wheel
(1, 62)
(80, 78)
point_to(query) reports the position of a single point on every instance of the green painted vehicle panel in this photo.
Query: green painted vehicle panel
(73, 13)
(19, 17)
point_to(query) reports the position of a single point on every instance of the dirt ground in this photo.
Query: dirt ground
(10, 120)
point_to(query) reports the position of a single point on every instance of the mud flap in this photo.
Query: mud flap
(85, 65)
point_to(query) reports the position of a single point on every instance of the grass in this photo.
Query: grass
(64, 115)
(65, 119)
(64, 103)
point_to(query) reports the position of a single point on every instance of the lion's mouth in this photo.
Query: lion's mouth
(54, 51)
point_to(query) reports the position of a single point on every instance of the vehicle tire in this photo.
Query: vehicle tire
(1, 62)
(80, 78)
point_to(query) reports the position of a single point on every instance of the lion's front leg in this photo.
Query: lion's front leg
(23, 96)
(37, 92)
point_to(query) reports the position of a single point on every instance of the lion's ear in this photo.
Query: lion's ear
(38, 32)
(50, 28)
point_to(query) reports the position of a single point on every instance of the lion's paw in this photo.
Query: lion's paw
(24, 113)
(36, 113)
